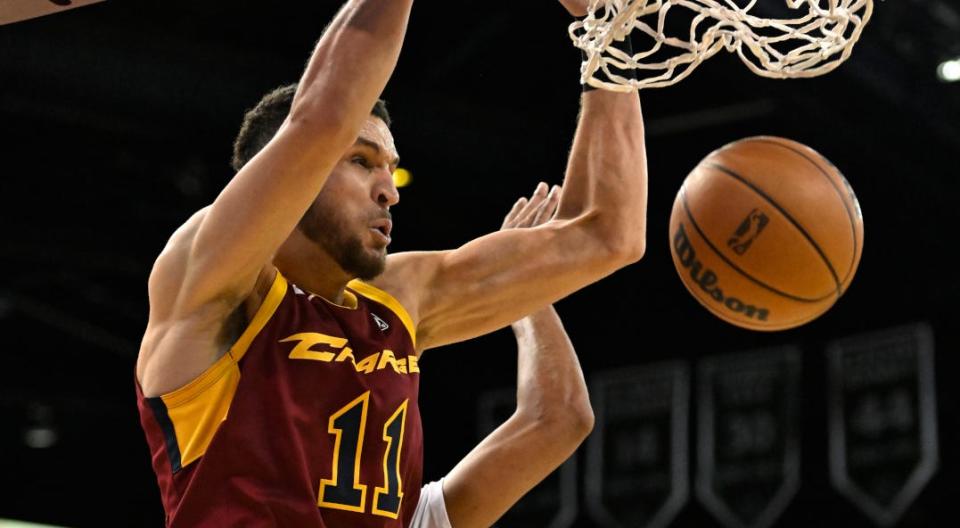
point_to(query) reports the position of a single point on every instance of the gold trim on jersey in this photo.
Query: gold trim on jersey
(197, 413)
(197, 409)
(264, 313)
(349, 300)
(384, 298)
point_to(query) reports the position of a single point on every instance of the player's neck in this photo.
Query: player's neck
(307, 265)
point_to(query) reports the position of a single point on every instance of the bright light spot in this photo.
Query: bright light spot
(40, 437)
(949, 71)
(402, 177)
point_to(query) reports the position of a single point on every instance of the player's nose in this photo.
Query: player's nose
(385, 190)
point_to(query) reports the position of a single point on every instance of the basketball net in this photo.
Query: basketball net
(812, 38)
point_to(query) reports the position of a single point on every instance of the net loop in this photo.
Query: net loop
(799, 38)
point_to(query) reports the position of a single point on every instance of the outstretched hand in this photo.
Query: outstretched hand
(538, 209)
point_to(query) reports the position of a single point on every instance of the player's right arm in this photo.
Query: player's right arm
(213, 263)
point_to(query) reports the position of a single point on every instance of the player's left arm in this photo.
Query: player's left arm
(552, 419)
(600, 227)
(553, 415)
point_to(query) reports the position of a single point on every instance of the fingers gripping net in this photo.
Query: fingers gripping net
(819, 36)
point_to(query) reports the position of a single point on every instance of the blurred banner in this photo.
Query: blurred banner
(556, 497)
(883, 419)
(636, 473)
(748, 436)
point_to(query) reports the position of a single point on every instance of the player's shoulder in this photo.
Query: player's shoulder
(168, 280)
(170, 265)
(407, 265)
(185, 233)
(408, 268)
(405, 277)
(400, 271)
(170, 269)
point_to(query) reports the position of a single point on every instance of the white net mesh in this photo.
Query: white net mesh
(808, 37)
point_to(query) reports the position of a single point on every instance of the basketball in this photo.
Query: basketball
(766, 233)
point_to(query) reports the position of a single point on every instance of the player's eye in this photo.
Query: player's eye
(362, 161)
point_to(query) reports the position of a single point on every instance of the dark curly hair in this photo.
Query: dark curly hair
(262, 122)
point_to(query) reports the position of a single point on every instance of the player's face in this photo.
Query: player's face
(350, 218)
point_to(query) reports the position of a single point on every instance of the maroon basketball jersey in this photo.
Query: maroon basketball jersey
(310, 420)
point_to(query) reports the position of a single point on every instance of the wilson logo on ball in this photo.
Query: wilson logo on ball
(748, 231)
(707, 280)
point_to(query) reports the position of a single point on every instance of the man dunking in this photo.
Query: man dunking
(275, 388)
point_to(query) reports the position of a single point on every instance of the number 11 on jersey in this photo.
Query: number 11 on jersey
(343, 491)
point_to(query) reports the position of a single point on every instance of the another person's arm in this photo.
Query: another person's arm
(213, 263)
(553, 416)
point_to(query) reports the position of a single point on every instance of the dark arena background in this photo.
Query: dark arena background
(116, 123)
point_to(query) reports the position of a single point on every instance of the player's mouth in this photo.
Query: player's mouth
(381, 230)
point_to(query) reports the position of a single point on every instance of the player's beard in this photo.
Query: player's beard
(322, 225)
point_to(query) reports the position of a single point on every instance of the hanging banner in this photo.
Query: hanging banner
(553, 502)
(883, 419)
(748, 436)
(636, 471)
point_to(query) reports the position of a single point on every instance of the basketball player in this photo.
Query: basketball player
(278, 373)
(553, 417)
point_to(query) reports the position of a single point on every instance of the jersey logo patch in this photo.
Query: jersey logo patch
(381, 324)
